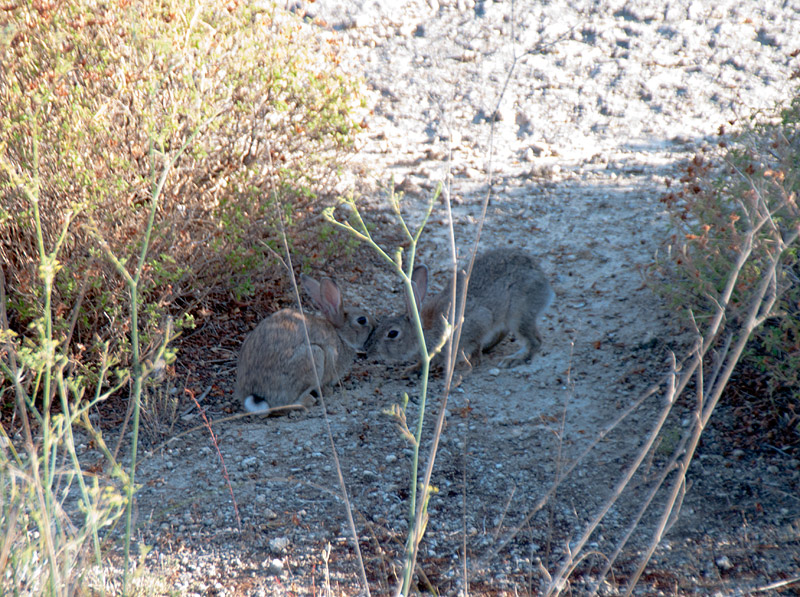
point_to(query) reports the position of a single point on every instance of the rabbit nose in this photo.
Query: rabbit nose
(370, 345)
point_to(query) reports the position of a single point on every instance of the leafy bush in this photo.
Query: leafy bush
(105, 89)
(720, 207)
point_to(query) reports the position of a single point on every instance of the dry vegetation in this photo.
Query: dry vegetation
(742, 200)
(94, 98)
(150, 155)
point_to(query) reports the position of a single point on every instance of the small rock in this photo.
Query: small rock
(391, 458)
(530, 155)
(524, 124)
(359, 22)
(275, 567)
(482, 116)
(407, 29)
(435, 154)
(278, 545)
(472, 173)
(408, 186)
(544, 171)
(724, 563)
(494, 371)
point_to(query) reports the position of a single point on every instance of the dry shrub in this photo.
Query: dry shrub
(94, 95)
(718, 199)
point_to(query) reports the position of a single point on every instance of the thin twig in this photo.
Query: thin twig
(219, 454)
(568, 563)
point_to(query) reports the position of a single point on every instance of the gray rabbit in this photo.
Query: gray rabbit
(506, 294)
(275, 367)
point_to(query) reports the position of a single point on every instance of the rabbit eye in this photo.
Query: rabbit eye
(392, 334)
(361, 320)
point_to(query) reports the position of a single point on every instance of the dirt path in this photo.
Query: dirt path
(604, 102)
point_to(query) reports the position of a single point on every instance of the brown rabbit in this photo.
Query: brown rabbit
(275, 367)
(506, 294)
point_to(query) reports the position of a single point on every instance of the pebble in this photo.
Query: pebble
(278, 545)
(274, 566)
(249, 462)
(473, 173)
(724, 563)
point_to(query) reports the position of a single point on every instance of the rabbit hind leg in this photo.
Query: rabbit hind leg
(530, 341)
(307, 375)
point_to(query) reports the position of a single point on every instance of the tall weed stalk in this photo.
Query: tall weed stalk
(730, 262)
(43, 550)
(417, 513)
(448, 346)
(132, 282)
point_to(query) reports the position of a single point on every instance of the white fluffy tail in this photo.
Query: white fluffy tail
(254, 404)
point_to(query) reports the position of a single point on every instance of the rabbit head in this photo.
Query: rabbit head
(353, 325)
(395, 338)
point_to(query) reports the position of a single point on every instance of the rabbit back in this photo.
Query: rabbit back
(507, 294)
(275, 363)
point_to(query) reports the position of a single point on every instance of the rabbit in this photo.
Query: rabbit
(274, 367)
(506, 294)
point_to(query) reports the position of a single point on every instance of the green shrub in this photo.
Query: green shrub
(719, 199)
(105, 89)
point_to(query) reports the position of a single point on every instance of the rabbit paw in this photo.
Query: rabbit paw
(515, 359)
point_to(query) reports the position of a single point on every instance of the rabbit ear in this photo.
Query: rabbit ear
(419, 282)
(326, 297)
(311, 286)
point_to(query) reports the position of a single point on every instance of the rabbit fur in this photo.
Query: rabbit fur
(275, 368)
(506, 294)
